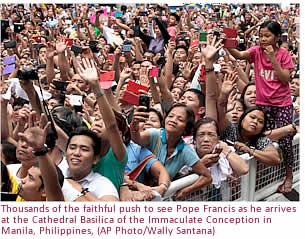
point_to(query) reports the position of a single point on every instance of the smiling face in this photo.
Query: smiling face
(152, 121)
(80, 156)
(175, 122)
(253, 123)
(250, 96)
(206, 139)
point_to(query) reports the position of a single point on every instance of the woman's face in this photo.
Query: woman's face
(267, 38)
(152, 121)
(295, 87)
(175, 122)
(250, 96)
(176, 93)
(253, 122)
(206, 139)
(179, 82)
(235, 114)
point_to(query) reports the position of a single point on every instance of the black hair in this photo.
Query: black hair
(19, 101)
(87, 132)
(51, 138)
(122, 124)
(202, 122)
(6, 184)
(242, 97)
(176, 16)
(136, 62)
(200, 95)
(60, 98)
(123, 8)
(60, 176)
(189, 115)
(273, 27)
(9, 152)
(42, 66)
(159, 116)
(254, 138)
(184, 47)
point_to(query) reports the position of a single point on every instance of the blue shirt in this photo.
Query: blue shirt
(137, 154)
(183, 154)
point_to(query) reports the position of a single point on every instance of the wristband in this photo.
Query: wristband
(252, 149)
(209, 69)
(84, 94)
(165, 184)
(41, 152)
(102, 92)
(124, 184)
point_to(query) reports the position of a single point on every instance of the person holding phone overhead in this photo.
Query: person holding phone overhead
(272, 74)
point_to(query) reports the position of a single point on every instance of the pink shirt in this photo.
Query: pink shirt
(269, 89)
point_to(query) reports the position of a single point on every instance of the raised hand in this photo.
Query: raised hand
(212, 48)
(88, 71)
(61, 46)
(35, 135)
(50, 50)
(229, 83)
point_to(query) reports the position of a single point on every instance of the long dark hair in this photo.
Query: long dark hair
(254, 138)
(242, 97)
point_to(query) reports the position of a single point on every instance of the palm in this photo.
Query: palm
(209, 52)
(60, 47)
(89, 74)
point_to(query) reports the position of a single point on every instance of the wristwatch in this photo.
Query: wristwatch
(252, 149)
(102, 92)
(41, 152)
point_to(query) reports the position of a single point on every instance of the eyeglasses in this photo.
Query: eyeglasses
(209, 135)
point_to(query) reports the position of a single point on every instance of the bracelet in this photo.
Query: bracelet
(102, 92)
(252, 149)
(124, 184)
(294, 128)
(230, 151)
(165, 184)
(41, 152)
(208, 69)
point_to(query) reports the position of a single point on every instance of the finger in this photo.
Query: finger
(41, 120)
(45, 130)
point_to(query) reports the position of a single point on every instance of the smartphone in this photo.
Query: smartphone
(37, 39)
(216, 33)
(230, 43)
(60, 85)
(229, 142)
(144, 100)
(231, 33)
(9, 60)
(93, 46)
(135, 87)
(10, 44)
(76, 49)
(173, 38)
(100, 11)
(126, 48)
(203, 36)
(130, 98)
(18, 27)
(75, 100)
(217, 67)
(284, 38)
(194, 43)
(70, 41)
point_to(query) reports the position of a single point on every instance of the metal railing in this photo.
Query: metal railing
(260, 182)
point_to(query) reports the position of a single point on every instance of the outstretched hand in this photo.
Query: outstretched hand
(35, 135)
(88, 71)
(212, 48)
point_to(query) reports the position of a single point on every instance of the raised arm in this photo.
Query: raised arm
(211, 88)
(89, 73)
(36, 138)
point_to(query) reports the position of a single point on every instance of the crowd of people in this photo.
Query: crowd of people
(105, 102)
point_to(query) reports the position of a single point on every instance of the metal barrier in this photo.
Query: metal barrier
(260, 182)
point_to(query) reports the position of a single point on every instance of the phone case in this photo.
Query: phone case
(76, 49)
(9, 60)
(203, 36)
(230, 43)
(135, 87)
(37, 39)
(130, 98)
(154, 72)
(10, 44)
(194, 43)
(70, 41)
(126, 48)
(231, 33)
(144, 100)
(173, 38)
